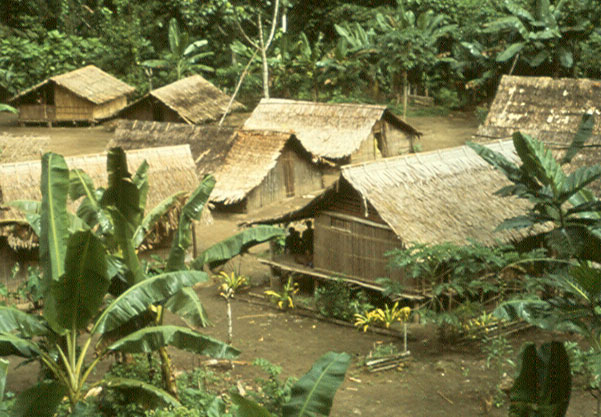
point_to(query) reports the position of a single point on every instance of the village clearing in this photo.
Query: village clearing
(438, 380)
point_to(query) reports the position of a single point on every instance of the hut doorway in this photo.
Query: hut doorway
(288, 165)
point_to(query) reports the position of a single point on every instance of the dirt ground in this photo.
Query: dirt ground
(439, 380)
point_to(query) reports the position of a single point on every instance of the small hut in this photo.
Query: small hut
(342, 133)
(15, 148)
(171, 169)
(428, 198)
(87, 94)
(191, 100)
(263, 168)
(209, 144)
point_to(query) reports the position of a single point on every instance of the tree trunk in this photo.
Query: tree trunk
(405, 94)
(167, 372)
(230, 329)
(264, 59)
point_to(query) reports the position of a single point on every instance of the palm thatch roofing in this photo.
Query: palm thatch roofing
(434, 197)
(326, 130)
(194, 99)
(15, 148)
(252, 156)
(171, 169)
(89, 82)
(209, 144)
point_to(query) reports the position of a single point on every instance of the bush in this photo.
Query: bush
(338, 300)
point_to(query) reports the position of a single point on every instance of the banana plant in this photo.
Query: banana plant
(76, 271)
(312, 395)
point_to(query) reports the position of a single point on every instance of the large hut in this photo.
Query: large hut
(15, 148)
(340, 133)
(191, 100)
(209, 144)
(428, 198)
(171, 169)
(263, 168)
(86, 94)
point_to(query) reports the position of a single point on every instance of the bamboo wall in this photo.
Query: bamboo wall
(150, 109)
(71, 107)
(37, 113)
(397, 141)
(353, 246)
(368, 151)
(110, 108)
(293, 175)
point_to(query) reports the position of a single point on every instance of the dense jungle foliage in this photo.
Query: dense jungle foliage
(336, 50)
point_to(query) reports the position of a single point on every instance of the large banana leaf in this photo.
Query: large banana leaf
(26, 206)
(80, 291)
(3, 372)
(121, 193)
(25, 324)
(497, 160)
(89, 210)
(222, 252)
(144, 393)
(14, 345)
(190, 212)
(154, 216)
(124, 236)
(585, 131)
(150, 339)
(188, 306)
(313, 394)
(138, 297)
(41, 400)
(141, 181)
(81, 185)
(248, 408)
(54, 219)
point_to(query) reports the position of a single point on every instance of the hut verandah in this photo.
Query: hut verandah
(171, 169)
(428, 198)
(262, 168)
(86, 94)
(209, 144)
(341, 133)
(191, 100)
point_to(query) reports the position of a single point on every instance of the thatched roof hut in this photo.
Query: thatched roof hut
(171, 169)
(191, 100)
(346, 133)
(262, 168)
(209, 144)
(429, 198)
(86, 94)
(15, 148)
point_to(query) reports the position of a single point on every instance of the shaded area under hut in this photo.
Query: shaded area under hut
(209, 144)
(374, 207)
(87, 94)
(191, 100)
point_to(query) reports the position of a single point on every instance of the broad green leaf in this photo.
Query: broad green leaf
(155, 63)
(578, 180)
(517, 222)
(150, 339)
(26, 206)
(174, 36)
(190, 211)
(518, 11)
(539, 58)
(121, 193)
(154, 216)
(566, 57)
(588, 281)
(124, 236)
(141, 181)
(14, 345)
(188, 306)
(536, 312)
(216, 408)
(539, 161)
(81, 185)
(510, 23)
(25, 324)
(222, 252)
(248, 408)
(313, 394)
(138, 297)
(7, 108)
(585, 131)
(54, 219)
(41, 400)
(79, 293)
(144, 393)
(511, 51)
(3, 372)
(497, 160)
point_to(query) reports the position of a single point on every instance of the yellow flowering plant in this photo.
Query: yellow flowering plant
(283, 298)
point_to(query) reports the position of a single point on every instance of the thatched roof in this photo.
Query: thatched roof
(194, 99)
(171, 169)
(15, 148)
(435, 197)
(209, 144)
(89, 82)
(326, 130)
(252, 156)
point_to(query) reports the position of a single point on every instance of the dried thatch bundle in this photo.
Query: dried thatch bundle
(326, 130)
(89, 82)
(171, 169)
(15, 148)
(209, 144)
